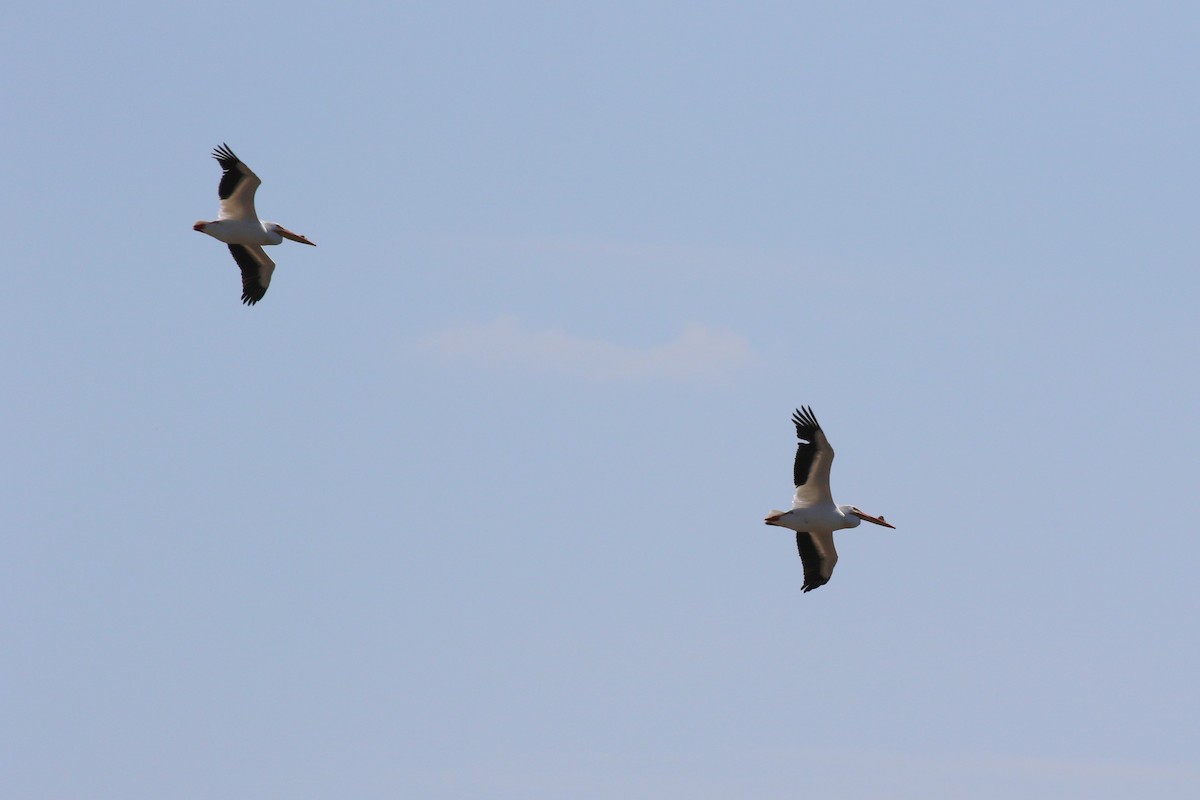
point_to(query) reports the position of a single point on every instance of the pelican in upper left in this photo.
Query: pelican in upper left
(237, 225)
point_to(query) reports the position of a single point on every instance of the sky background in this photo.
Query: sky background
(470, 505)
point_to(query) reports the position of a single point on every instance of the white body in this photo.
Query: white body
(821, 517)
(243, 231)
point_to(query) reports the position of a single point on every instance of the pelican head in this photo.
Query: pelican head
(853, 515)
(285, 233)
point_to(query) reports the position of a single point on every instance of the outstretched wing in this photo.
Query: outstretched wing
(256, 267)
(237, 187)
(818, 556)
(814, 457)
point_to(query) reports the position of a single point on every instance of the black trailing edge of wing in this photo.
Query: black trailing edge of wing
(252, 286)
(811, 558)
(231, 176)
(806, 431)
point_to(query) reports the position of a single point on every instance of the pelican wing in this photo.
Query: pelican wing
(814, 457)
(256, 267)
(818, 556)
(237, 187)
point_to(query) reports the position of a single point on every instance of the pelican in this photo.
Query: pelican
(814, 516)
(237, 225)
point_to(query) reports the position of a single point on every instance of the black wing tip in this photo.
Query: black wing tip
(806, 423)
(252, 294)
(804, 416)
(225, 156)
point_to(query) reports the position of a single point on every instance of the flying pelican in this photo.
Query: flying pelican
(814, 517)
(237, 225)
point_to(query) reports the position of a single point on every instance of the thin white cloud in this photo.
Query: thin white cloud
(698, 353)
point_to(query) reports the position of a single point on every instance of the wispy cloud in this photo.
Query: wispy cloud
(698, 353)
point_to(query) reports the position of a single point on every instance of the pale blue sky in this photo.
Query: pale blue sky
(471, 504)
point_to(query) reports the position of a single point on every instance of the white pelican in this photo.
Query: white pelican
(814, 517)
(237, 225)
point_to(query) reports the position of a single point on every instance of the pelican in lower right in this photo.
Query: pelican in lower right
(814, 516)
